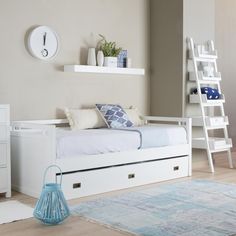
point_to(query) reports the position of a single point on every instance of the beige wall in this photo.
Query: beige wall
(199, 23)
(226, 45)
(199, 19)
(36, 89)
(166, 57)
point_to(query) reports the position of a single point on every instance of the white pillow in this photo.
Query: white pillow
(134, 116)
(84, 119)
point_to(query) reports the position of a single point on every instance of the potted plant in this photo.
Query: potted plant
(110, 51)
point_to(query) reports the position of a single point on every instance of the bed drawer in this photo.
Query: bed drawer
(3, 154)
(108, 179)
(3, 179)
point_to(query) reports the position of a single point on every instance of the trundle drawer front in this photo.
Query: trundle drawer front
(108, 179)
(3, 154)
(3, 179)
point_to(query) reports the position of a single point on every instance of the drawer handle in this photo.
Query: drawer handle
(176, 168)
(77, 185)
(131, 176)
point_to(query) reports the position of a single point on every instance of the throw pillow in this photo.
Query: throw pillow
(134, 116)
(84, 119)
(114, 115)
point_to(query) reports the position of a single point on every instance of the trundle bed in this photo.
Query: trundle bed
(37, 144)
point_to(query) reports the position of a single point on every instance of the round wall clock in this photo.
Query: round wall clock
(43, 43)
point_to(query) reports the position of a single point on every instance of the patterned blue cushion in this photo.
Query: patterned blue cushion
(114, 115)
(210, 92)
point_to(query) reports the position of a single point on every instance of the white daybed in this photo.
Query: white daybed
(34, 149)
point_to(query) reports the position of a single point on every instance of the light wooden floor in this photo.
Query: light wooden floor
(80, 227)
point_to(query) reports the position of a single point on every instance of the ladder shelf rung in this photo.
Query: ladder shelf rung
(215, 144)
(204, 59)
(223, 126)
(198, 55)
(212, 121)
(225, 149)
(195, 98)
(203, 79)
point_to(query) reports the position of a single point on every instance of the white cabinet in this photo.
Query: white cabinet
(5, 162)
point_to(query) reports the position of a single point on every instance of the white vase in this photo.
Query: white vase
(91, 57)
(110, 61)
(100, 58)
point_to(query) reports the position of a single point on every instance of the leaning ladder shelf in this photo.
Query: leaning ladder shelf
(207, 54)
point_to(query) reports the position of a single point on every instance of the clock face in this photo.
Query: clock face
(43, 43)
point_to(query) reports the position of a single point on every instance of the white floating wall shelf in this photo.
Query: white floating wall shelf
(103, 70)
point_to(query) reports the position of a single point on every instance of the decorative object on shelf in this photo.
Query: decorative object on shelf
(43, 43)
(100, 58)
(110, 62)
(122, 58)
(128, 62)
(205, 49)
(207, 68)
(91, 61)
(211, 93)
(51, 207)
(110, 51)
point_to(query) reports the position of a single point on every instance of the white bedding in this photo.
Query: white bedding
(98, 141)
(94, 141)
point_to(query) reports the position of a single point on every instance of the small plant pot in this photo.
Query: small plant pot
(110, 62)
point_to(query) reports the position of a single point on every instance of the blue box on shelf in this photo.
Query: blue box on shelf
(122, 58)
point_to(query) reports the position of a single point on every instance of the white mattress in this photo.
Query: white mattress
(98, 141)
(94, 141)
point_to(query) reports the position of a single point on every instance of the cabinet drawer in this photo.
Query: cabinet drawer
(87, 183)
(3, 179)
(3, 154)
(3, 132)
(4, 115)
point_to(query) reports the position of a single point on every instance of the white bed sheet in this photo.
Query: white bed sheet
(99, 141)
(94, 141)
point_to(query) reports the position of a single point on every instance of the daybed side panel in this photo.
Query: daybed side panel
(31, 153)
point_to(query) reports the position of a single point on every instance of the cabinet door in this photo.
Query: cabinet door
(4, 115)
(3, 154)
(3, 132)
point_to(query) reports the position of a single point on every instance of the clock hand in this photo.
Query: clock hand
(44, 39)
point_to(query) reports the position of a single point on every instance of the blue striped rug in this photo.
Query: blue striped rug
(189, 208)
